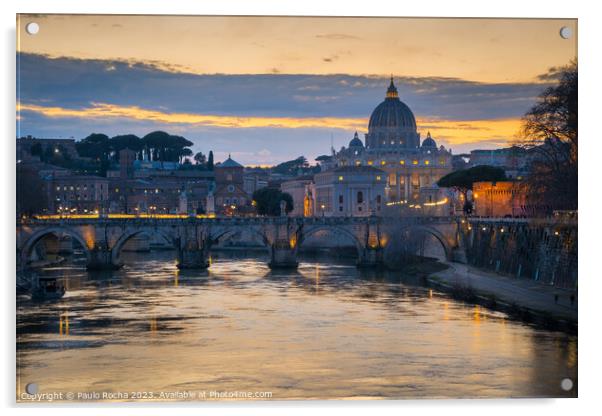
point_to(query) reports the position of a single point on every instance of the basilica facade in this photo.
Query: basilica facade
(394, 146)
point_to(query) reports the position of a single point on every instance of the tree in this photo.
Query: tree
(200, 158)
(125, 141)
(96, 146)
(292, 167)
(161, 146)
(36, 149)
(462, 180)
(550, 134)
(210, 160)
(267, 201)
(31, 192)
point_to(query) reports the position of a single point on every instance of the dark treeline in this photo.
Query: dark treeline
(102, 152)
(156, 146)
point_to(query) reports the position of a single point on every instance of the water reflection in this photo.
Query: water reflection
(326, 330)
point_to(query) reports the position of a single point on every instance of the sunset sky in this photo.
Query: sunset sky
(268, 89)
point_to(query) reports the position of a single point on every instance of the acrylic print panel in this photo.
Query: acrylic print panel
(274, 208)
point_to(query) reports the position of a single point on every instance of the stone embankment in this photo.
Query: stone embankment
(524, 299)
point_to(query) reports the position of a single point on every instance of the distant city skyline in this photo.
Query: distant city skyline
(268, 90)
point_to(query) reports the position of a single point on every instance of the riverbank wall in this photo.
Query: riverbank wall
(543, 250)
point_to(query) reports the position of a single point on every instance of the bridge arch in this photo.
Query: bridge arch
(226, 233)
(310, 231)
(129, 234)
(29, 244)
(428, 230)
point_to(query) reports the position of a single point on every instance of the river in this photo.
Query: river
(326, 330)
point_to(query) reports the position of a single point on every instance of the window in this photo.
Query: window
(229, 177)
(360, 197)
(426, 162)
(402, 162)
(415, 162)
(340, 178)
(358, 162)
(383, 162)
(378, 177)
(370, 163)
(340, 199)
(378, 199)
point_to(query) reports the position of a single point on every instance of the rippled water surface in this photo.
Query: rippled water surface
(326, 330)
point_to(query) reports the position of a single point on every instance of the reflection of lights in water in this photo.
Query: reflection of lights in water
(280, 312)
(153, 325)
(571, 360)
(64, 323)
(430, 293)
(476, 316)
(176, 277)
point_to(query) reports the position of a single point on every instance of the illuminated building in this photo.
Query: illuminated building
(349, 191)
(393, 145)
(230, 195)
(499, 199)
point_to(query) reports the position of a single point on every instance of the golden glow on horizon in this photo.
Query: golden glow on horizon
(498, 131)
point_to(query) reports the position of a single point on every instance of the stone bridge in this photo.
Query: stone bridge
(104, 238)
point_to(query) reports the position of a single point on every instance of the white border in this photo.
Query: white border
(590, 155)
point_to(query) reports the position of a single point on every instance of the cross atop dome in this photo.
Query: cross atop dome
(392, 90)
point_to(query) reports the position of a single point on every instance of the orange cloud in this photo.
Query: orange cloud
(101, 110)
(496, 131)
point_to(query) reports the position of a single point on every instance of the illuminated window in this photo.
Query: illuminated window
(156, 191)
(340, 178)
(58, 188)
(383, 163)
(358, 162)
(426, 162)
(116, 189)
(378, 177)
(415, 162)
(402, 162)
(369, 163)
